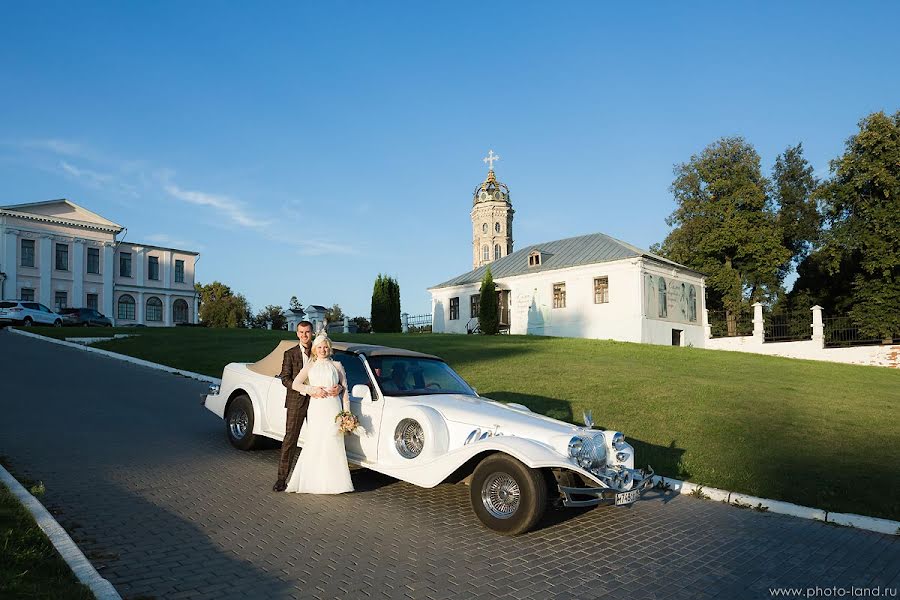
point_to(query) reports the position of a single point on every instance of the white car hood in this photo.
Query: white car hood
(487, 414)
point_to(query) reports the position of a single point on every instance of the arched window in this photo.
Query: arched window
(484, 227)
(154, 309)
(663, 311)
(692, 303)
(125, 308)
(180, 311)
(485, 254)
(496, 251)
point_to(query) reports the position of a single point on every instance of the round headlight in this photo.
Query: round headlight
(575, 445)
(586, 456)
(617, 440)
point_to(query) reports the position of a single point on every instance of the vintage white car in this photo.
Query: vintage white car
(425, 425)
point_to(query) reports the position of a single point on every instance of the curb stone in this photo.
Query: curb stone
(675, 485)
(77, 561)
(777, 506)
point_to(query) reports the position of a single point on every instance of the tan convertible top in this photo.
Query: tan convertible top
(270, 366)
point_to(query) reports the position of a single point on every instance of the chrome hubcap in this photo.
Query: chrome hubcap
(237, 423)
(500, 495)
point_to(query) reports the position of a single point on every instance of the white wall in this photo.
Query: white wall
(532, 312)
(879, 356)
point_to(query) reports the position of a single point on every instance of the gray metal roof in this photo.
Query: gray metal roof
(559, 254)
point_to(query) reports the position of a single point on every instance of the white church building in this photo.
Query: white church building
(589, 286)
(61, 255)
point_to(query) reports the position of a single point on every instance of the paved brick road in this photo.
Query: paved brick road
(144, 480)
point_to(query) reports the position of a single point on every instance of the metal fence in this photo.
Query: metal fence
(419, 323)
(788, 326)
(740, 323)
(841, 332)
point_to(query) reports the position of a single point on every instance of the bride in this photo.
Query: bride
(322, 465)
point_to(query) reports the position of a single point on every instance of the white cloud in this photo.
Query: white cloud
(229, 208)
(96, 179)
(57, 146)
(163, 239)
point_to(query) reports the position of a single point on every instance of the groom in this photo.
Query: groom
(296, 403)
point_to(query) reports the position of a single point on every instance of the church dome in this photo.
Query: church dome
(491, 190)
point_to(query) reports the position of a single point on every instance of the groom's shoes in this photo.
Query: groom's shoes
(279, 486)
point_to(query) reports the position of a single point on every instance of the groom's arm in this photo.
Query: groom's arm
(287, 371)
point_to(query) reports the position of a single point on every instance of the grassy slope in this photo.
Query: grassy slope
(818, 434)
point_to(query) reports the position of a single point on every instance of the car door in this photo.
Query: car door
(276, 413)
(47, 315)
(362, 446)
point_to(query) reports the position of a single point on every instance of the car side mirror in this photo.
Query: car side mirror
(361, 391)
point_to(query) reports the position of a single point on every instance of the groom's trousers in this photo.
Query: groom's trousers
(296, 414)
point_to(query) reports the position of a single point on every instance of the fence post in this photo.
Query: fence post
(404, 323)
(707, 328)
(759, 327)
(818, 329)
(346, 324)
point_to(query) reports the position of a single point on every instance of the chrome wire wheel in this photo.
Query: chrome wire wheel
(237, 423)
(409, 438)
(501, 495)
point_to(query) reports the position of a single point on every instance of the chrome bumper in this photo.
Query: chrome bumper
(606, 495)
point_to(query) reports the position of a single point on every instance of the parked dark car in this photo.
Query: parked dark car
(84, 317)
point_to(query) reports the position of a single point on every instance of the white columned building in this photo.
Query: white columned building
(60, 254)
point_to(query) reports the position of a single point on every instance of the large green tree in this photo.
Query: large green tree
(793, 184)
(334, 314)
(386, 305)
(220, 307)
(488, 308)
(725, 225)
(380, 305)
(270, 314)
(862, 207)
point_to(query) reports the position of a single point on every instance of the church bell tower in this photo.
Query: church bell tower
(492, 217)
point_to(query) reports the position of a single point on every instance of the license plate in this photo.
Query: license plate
(626, 497)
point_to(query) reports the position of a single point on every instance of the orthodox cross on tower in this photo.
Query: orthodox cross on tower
(490, 158)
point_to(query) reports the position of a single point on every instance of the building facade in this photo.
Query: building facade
(590, 286)
(63, 255)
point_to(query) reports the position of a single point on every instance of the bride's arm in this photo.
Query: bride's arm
(299, 385)
(342, 378)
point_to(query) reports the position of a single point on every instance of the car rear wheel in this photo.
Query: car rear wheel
(57, 323)
(28, 322)
(507, 496)
(239, 424)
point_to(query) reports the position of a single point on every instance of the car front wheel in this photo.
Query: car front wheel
(507, 496)
(57, 323)
(28, 322)
(239, 424)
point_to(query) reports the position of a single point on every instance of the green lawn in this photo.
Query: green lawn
(29, 564)
(818, 434)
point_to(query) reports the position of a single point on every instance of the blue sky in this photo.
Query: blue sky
(304, 148)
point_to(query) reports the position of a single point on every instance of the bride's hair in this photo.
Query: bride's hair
(320, 340)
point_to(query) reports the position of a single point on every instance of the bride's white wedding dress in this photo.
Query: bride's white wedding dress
(322, 465)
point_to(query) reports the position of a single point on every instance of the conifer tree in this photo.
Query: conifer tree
(488, 308)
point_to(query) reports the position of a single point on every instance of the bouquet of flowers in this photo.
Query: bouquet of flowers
(347, 421)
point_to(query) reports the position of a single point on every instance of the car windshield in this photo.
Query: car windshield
(413, 376)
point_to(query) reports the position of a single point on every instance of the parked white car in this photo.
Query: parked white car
(425, 425)
(27, 313)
